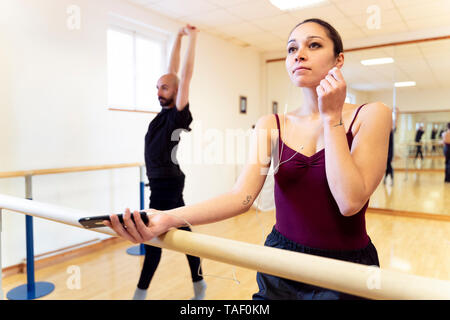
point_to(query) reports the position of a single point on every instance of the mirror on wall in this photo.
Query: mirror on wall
(418, 136)
(414, 80)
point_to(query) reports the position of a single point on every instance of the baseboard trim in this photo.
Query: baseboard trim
(58, 256)
(410, 214)
(420, 170)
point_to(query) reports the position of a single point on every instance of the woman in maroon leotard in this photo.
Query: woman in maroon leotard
(331, 157)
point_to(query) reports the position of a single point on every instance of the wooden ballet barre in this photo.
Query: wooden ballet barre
(15, 174)
(365, 281)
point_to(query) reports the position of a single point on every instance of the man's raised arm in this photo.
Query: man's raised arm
(188, 69)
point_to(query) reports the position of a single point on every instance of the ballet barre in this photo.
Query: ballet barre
(365, 281)
(32, 289)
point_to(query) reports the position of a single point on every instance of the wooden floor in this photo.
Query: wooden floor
(412, 191)
(428, 162)
(410, 245)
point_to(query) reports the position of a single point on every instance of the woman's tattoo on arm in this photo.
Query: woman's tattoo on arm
(247, 201)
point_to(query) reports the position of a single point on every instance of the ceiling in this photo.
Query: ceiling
(259, 24)
(262, 26)
(426, 63)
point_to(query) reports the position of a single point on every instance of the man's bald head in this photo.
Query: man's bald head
(167, 89)
(169, 79)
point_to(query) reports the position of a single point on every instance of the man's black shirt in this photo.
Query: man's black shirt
(419, 134)
(159, 145)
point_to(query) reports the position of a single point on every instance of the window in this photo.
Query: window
(135, 62)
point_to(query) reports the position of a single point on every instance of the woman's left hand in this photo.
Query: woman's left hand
(332, 92)
(138, 232)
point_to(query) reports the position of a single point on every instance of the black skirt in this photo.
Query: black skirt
(276, 288)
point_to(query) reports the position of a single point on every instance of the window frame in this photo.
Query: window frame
(146, 32)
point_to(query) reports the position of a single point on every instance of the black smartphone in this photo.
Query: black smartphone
(97, 222)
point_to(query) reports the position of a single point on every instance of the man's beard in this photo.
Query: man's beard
(165, 102)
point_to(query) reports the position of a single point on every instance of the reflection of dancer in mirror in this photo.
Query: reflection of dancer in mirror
(434, 132)
(166, 179)
(322, 193)
(389, 168)
(446, 142)
(419, 134)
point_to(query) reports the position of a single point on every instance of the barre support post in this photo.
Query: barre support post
(32, 290)
(139, 250)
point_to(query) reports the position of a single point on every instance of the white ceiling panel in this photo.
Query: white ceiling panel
(240, 29)
(214, 18)
(359, 7)
(283, 34)
(429, 22)
(144, 2)
(343, 24)
(261, 38)
(255, 9)
(227, 3)
(187, 8)
(281, 21)
(325, 12)
(387, 17)
(426, 9)
(387, 29)
(348, 34)
(407, 3)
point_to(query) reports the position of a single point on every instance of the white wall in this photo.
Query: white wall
(54, 113)
(280, 88)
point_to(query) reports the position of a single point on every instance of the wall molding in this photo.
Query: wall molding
(409, 214)
(61, 255)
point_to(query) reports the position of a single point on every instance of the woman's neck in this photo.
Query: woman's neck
(310, 107)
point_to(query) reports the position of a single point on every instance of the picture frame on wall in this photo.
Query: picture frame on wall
(243, 104)
(274, 107)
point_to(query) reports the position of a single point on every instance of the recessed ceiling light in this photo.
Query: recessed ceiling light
(405, 84)
(372, 62)
(295, 4)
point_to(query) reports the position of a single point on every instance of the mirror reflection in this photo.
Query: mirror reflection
(414, 80)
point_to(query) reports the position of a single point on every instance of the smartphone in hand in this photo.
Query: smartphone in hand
(97, 222)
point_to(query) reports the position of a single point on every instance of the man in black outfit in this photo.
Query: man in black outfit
(419, 134)
(434, 132)
(166, 179)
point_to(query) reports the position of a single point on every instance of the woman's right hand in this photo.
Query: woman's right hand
(138, 232)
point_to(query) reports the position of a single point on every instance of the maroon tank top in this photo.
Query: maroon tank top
(306, 211)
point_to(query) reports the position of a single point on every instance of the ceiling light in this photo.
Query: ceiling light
(405, 84)
(372, 62)
(295, 4)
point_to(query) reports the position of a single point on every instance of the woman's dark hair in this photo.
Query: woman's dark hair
(331, 32)
(448, 125)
